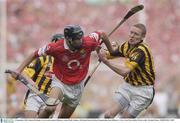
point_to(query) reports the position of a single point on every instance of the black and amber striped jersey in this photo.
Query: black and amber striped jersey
(139, 59)
(37, 70)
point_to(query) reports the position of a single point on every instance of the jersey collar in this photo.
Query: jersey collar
(65, 45)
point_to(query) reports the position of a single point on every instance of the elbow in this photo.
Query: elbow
(123, 73)
(126, 72)
(103, 34)
(34, 54)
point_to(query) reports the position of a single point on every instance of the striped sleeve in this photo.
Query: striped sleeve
(136, 58)
(33, 67)
(109, 56)
(121, 49)
(131, 64)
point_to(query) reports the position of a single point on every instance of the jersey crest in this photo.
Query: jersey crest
(134, 56)
(65, 58)
(83, 53)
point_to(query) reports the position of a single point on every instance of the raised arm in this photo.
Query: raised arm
(40, 52)
(27, 61)
(106, 41)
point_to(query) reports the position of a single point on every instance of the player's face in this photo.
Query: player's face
(135, 35)
(74, 44)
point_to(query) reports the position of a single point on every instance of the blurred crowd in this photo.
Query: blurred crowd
(31, 23)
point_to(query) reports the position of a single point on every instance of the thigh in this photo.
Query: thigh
(57, 90)
(66, 111)
(56, 93)
(72, 94)
(33, 105)
(120, 104)
(137, 106)
(115, 109)
(141, 99)
(123, 96)
(30, 114)
(121, 100)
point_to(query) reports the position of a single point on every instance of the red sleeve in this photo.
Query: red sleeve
(45, 50)
(95, 36)
(50, 48)
(95, 39)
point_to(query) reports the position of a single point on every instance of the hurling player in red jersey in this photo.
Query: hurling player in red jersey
(71, 63)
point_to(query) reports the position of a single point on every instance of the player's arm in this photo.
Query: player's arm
(118, 68)
(106, 41)
(129, 65)
(99, 36)
(27, 61)
(42, 51)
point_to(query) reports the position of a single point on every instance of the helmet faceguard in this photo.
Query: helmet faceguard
(73, 35)
(73, 31)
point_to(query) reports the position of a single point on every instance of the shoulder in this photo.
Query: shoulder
(92, 38)
(38, 60)
(89, 43)
(51, 47)
(123, 45)
(144, 47)
(56, 44)
(41, 60)
(95, 35)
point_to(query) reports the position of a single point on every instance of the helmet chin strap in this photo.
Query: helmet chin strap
(72, 48)
(69, 43)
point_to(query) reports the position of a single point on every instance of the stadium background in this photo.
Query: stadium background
(26, 25)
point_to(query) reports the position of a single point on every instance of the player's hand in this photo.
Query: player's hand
(14, 74)
(102, 57)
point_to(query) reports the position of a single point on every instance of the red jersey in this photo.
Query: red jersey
(71, 67)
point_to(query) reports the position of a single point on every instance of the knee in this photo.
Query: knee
(127, 115)
(50, 109)
(108, 115)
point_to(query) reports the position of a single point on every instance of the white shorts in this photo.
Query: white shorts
(134, 99)
(34, 103)
(71, 93)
